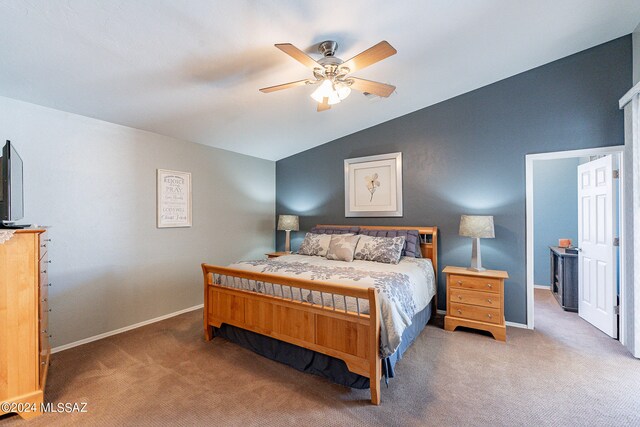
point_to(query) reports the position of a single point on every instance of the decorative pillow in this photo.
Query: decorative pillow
(412, 240)
(315, 244)
(380, 249)
(335, 230)
(342, 247)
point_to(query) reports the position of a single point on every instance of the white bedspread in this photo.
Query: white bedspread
(404, 288)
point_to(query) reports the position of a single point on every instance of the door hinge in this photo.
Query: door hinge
(616, 309)
(616, 241)
(616, 174)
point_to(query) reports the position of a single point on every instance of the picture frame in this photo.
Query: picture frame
(373, 186)
(173, 200)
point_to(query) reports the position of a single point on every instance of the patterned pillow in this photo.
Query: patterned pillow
(380, 249)
(315, 244)
(412, 240)
(342, 247)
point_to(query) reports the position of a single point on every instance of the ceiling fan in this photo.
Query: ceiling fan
(333, 75)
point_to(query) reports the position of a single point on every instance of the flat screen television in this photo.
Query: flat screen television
(11, 192)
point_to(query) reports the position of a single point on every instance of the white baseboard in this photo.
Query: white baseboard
(547, 287)
(516, 325)
(125, 329)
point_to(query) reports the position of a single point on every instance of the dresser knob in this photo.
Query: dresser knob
(459, 297)
(489, 316)
(44, 271)
(459, 311)
(43, 300)
(489, 300)
(44, 331)
(42, 363)
(459, 282)
(489, 285)
(43, 246)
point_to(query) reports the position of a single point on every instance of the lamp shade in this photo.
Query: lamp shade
(288, 222)
(477, 226)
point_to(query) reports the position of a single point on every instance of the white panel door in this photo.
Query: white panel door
(597, 264)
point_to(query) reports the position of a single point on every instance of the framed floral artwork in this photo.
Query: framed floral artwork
(373, 186)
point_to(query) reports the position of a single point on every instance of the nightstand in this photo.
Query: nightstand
(475, 299)
(277, 254)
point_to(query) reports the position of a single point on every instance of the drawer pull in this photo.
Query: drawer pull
(44, 271)
(42, 363)
(43, 246)
(43, 300)
(489, 285)
(489, 301)
(44, 331)
(460, 297)
(459, 311)
(460, 282)
(489, 316)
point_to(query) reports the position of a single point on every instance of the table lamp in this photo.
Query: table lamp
(288, 223)
(477, 227)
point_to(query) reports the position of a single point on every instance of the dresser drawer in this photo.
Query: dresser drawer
(465, 296)
(474, 312)
(475, 283)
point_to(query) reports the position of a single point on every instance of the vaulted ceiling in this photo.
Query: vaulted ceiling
(192, 69)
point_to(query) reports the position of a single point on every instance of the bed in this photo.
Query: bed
(348, 321)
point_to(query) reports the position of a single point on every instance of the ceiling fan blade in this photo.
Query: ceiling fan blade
(324, 105)
(370, 56)
(298, 55)
(284, 86)
(375, 88)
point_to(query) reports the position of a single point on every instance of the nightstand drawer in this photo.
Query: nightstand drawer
(484, 299)
(475, 283)
(474, 312)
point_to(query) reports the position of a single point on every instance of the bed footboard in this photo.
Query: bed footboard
(289, 315)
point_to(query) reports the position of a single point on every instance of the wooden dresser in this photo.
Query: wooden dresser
(476, 300)
(564, 278)
(24, 336)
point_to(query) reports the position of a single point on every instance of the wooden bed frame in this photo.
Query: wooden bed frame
(353, 337)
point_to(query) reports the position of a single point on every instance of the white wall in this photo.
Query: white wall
(94, 183)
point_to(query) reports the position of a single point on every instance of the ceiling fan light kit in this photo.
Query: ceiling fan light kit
(331, 73)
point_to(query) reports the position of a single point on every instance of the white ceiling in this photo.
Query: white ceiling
(192, 69)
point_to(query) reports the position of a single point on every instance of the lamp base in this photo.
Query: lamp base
(476, 258)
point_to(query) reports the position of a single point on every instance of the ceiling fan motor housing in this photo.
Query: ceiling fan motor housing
(328, 48)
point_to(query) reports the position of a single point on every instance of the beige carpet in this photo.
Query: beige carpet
(564, 373)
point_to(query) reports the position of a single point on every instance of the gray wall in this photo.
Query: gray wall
(555, 210)
(94, 183)
(636, 55)
(467, 155)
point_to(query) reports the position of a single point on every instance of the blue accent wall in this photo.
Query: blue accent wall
(466, 155)
(555, 210)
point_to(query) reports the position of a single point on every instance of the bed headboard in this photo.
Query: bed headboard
(428, 239)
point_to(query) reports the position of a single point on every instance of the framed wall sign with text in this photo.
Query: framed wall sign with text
(174, 199)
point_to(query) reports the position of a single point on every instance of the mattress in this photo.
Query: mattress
(404, 289)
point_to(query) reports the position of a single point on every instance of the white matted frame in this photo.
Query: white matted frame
(373, 186)
(529, 159)
(173, 202)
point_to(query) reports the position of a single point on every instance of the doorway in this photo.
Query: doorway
(561, 217)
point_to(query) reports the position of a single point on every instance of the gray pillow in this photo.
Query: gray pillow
(342, 247)
(380, 249)
(315, 244)
(335, 230)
